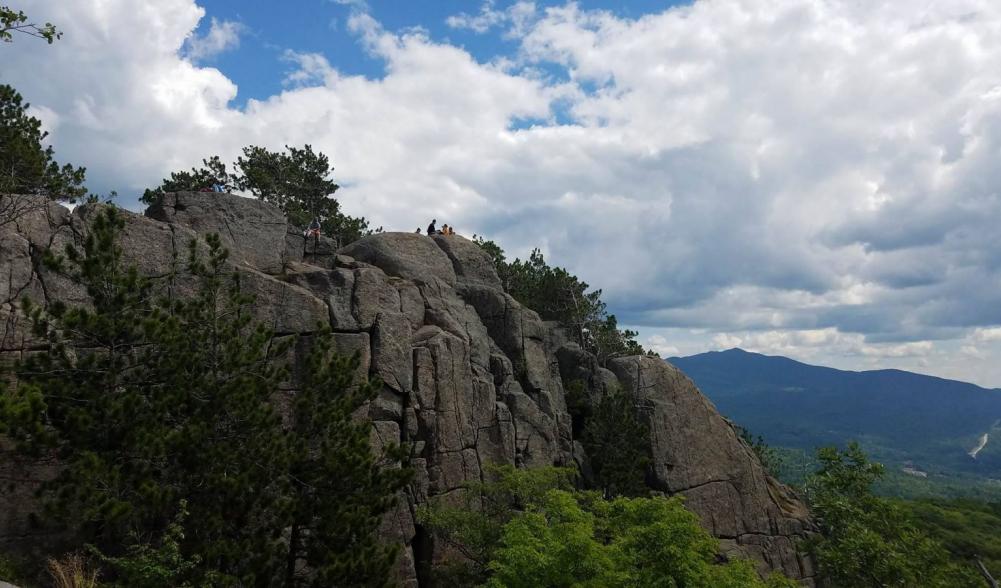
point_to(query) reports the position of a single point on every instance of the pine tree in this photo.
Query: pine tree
(151, 402)
(296, 180)
(299, 182)
(340, 489)
(212, 174)
(618, 446)
(558, 295)
(26, 167)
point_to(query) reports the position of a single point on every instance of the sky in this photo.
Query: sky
(811, 178)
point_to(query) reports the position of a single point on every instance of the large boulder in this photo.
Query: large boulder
(252, 230)
(405, 255)
(697, 453)
(471, 263)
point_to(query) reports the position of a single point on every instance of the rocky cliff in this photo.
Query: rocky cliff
(471, 376)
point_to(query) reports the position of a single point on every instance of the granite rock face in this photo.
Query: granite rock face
(470, 376)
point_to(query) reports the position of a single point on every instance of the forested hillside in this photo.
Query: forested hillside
(924, 427)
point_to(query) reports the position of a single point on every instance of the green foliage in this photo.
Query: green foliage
(580, 539)
(558, 295)
(474, 529)
(340, 488)
(770, 457)
(296, 180)
(150, 402)
(534, 531)
(866, 540)
(26, 167)
(212, 174)
(154, 566)
(618, 446)
(12, 570)
(553, 292)
(967, 528)
(16, 21)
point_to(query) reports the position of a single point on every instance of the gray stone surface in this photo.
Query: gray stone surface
(471, 263)
(405, 255)
(470, 376)
(253, 231)
(697, 453)
(391, 352)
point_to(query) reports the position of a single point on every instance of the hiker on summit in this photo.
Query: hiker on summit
(431, 229)
(418, 231)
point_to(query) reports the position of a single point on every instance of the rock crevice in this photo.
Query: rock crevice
(470, 377)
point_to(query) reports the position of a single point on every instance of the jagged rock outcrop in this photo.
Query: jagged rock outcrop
(470, 376)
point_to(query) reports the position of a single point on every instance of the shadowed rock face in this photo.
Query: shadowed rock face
(470, 376)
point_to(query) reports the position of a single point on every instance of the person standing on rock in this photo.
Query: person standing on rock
(431, 229)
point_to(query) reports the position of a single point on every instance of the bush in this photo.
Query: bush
(533, 530)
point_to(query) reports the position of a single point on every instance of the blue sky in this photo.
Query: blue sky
(810, 178)
(320, 26)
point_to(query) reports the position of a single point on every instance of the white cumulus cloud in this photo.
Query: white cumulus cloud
(814, 177)
(222, 36)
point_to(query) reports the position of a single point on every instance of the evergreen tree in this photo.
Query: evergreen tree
(26, 167)
(150, 402)
(213, 173)
(297, 180)
(339, 488)
(618, 446)
(558, 295)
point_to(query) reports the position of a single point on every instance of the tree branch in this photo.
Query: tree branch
(986, 574)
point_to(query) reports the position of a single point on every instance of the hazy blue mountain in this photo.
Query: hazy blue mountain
(900, 417)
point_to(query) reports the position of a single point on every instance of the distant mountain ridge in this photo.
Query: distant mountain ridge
(902, 417)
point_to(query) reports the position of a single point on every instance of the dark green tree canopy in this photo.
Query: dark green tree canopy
(558, 295)
(26, 166)
(160, 409)
(213, 174)
(299, 181)
(618, 445)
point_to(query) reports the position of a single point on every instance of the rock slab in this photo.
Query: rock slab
(470, 377)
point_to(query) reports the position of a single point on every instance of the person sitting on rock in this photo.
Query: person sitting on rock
(313, 230)
(431, 229)
(444, 229)
(418, 231)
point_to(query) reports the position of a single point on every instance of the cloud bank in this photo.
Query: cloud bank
(817, 178)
